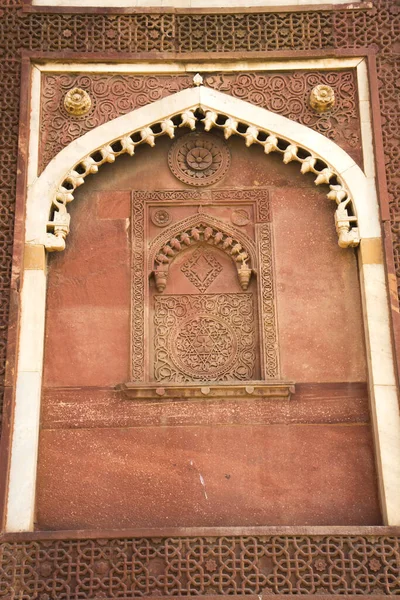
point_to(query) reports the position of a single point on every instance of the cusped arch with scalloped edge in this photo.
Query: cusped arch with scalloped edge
(194, 108)
(201, 228)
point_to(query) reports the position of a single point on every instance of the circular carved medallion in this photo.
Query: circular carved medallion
(161, 217)
(199, 159)
(77, 102)
(203, 346)
(240, 217)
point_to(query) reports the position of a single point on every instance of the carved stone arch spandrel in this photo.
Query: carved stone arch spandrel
(356, 215)
(196, 229)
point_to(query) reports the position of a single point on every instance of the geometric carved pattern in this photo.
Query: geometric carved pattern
(288, 95)
(138, 281)
(204, 338)
(139, 198)
(208, 230)
(112, 96)
(199, 159)
(118, 568)
(201, 268)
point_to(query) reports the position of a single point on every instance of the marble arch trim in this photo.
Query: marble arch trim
(42, 195)
(55, 186)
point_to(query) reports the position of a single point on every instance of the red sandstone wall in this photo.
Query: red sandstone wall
(109, 462)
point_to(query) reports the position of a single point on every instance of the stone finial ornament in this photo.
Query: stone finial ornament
(322, 98)
(197, 79)
(77, 102)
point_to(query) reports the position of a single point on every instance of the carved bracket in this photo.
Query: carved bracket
(310, 162)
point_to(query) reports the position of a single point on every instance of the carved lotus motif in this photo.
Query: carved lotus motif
(199, 159)
(77, 102)
(322, 98)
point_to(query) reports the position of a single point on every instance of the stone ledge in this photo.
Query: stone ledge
(254, 389)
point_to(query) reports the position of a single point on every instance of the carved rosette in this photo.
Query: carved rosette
(161, 217)
(77, 102)
(198, 159)
(322, 98)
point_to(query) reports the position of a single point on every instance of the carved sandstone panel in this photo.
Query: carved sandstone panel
(267, 565)
(210, 250)
(204, 337)
(114, 95)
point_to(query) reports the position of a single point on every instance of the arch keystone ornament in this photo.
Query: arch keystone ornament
(54, 189)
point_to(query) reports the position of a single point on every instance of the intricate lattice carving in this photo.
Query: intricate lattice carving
(204, 338)
(199, 159)
(191, 566)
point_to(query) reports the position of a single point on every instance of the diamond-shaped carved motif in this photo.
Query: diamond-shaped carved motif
(202, 268)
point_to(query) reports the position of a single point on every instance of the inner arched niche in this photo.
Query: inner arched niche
(147, 455)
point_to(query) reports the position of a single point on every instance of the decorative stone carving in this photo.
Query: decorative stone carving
(202, 268)
(116, 94)
(343, 221)
(269, 141)
(60, 226)
(161, 217)
(322, 98)
(197, 79)
(198, 159)
(259, 198)
(351, 560)
(201, 229)
(77, 102)
(204, 338)
(240, 217)
(268, 316)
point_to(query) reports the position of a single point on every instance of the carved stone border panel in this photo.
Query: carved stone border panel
(88, 569)
(260, 199)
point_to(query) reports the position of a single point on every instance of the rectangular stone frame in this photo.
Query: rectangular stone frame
(25, 412)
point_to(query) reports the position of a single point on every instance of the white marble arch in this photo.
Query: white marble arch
(40, 196)
(43, 190)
